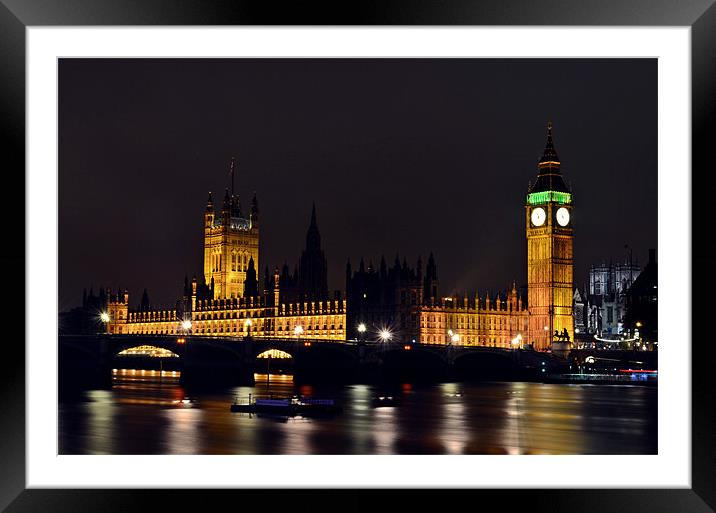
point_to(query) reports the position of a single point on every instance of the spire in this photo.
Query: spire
(144, 303)
(210, 203)
(313, 236)
(251, 285)
(313, 217)
(549, 177)
(550, 154)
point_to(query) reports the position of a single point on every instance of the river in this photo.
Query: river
(144, 413)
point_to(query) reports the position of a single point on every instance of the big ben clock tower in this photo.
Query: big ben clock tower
(550, 258)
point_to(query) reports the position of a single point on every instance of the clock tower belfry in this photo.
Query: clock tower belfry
(550, 256)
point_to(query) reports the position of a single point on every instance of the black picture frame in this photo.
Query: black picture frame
(17, 15)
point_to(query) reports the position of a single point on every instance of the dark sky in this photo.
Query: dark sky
(407, 156)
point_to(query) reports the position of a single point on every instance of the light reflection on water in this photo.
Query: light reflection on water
(147, 414)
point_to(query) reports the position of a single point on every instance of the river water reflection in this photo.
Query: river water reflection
(143, 414)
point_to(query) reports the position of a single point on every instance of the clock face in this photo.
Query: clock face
(538, 216)
(563, 216)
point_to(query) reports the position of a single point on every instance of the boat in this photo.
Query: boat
(385, 400)
(288, 406)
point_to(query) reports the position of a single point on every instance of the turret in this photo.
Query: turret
(276, 288)
(209, 214)
(430, 284)
(226, 210)
(144, 303)
(118, 311)
(251, 286)
(512, 297)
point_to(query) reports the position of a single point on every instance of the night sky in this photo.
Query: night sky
(407, 156)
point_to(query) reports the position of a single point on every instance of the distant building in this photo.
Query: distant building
(313, 268)
(600, 307)
(403, 301)
(388, 298)
(641, 318)
(85, 319)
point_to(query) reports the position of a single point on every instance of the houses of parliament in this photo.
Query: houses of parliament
(400, 299)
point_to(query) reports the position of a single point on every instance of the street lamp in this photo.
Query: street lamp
(455, 338)
(186, 325)
(385, 335)
(298, 330)
(247, 327)
(105, 318)
(361, 331)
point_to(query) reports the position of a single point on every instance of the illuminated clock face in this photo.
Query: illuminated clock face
(563, 216)
(538, 216)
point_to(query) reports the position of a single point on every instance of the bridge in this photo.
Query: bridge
(233, 360)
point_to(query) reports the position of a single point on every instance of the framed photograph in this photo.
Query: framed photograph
(420, 247)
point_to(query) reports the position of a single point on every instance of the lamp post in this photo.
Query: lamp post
(105, 318)
(385, 335)
(247, 327)
(637, 334)
(361, 332)
(517, 342)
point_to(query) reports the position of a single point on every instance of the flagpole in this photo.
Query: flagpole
(233, 160)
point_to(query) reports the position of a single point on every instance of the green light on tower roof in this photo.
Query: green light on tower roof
(547, 196)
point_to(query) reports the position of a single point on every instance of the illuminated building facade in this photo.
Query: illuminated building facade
(228, 302)
(499, 322)
(231, 241)
(550, 256)
(401, 300)
(239, 317)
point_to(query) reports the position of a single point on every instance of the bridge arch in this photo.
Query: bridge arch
(485, 365)
(416, 363)
(148, 351)
(274, 353)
